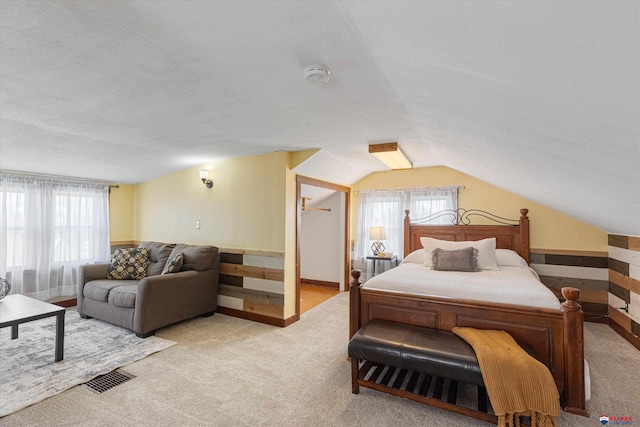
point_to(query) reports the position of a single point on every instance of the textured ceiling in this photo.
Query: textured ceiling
(539, 98)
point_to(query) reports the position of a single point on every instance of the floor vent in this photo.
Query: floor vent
(102, 383)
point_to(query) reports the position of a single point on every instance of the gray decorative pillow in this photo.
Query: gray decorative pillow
(174, 264)
(129, 264)
(456, 260)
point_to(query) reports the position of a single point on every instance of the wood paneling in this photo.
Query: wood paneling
(623, 281)
(619, 266)
(619, 317)
(577, 261)
(227, 258)
(568, 252)
(582, 284)
(620, 292)
(618, 241)
(250, 271)
(585, 271)
(231, 291)
(231, 280)
(264, 309)
(251, 287)
(624, 265)
(270, 254)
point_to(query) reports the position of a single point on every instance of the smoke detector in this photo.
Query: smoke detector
(317, 74)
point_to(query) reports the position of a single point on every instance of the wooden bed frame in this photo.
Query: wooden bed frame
(555, 335)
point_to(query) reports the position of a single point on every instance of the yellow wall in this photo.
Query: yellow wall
(245, 209)
(549, 229)
(252, 206)
(121, 213)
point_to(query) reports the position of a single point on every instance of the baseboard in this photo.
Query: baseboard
(634, 340)
(257, 317)
(333, 285)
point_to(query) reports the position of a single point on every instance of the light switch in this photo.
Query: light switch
(198, 224)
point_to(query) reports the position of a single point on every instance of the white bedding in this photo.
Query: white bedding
(514, 285)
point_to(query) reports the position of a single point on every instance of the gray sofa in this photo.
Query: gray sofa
(158, 300)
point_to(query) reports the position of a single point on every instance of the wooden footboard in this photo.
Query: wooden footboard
(555, 336)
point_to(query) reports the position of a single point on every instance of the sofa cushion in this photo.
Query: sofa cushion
(174, 264)
(123, 296)
(99, 290)
(199, 258)
(129, 264)
(158, 255)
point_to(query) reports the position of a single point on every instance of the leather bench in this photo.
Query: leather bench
(384, 354)
(430, 351)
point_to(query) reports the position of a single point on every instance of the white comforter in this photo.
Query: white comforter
(509, 285)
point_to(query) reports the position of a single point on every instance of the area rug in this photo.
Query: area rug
(28, 373)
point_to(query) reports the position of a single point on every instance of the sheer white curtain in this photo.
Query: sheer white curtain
(386, 208)
(48, 227)
(424, 202)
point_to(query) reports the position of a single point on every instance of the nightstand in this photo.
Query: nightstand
(392, 259)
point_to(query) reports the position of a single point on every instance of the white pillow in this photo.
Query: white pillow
(486, 250)
(507, 257)
(415, 256)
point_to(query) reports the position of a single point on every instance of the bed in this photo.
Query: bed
(554, 331)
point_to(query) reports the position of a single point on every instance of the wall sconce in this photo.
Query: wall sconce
(377, 234)
(204, 176)
(390, 155)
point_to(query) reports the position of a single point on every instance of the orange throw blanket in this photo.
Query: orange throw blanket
(517, 384)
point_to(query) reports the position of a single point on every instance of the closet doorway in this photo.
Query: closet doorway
(322, 250)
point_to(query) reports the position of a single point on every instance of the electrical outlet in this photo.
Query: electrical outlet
(198, 224)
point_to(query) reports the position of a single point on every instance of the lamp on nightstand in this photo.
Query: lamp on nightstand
(377, 234)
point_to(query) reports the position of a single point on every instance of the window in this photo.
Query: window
(50, 227)
(386, 208)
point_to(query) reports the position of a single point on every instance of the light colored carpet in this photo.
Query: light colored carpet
(226, 371)
(28, 373)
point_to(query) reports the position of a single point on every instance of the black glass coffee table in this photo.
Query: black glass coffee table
(17, 309)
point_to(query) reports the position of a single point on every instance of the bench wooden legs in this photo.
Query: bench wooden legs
(355, 387)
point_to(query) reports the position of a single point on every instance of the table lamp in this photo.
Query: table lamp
(377, 234)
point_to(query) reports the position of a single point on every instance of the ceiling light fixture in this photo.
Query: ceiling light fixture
(317, 74)
(390, 154)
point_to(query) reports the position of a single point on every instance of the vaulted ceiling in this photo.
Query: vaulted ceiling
(536, 97)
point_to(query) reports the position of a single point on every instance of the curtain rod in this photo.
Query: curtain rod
(451, 187)
(69, 178)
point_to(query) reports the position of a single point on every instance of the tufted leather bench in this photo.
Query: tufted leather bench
(434, 353)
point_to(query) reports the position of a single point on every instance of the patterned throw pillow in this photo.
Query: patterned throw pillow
(129, 264)
(456, 260)
(174, 264)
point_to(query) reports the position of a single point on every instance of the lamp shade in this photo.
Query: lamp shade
(204, 174)
(377, 233)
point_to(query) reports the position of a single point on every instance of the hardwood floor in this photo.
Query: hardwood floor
(313, 295)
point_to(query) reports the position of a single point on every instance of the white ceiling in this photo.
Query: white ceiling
(539, 98)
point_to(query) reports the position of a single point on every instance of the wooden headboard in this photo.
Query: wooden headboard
(509, 234)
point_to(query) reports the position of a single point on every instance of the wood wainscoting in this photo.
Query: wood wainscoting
(587, 271)
(624, 287)
(252, 285)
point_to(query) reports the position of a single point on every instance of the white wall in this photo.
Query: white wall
(320, 241)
